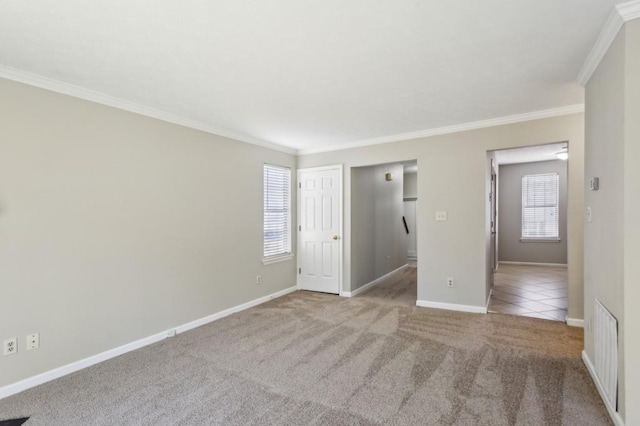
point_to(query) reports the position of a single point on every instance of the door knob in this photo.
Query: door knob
(335, 237)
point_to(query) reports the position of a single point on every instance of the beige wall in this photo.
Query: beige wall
(452, 177)
(604, 158)
(114, 226)
(612, 239)
(631, 223)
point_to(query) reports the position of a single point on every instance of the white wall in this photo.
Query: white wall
(114, 226)
(612, 239)
(452, 177)
(378, 235)
(510, 231)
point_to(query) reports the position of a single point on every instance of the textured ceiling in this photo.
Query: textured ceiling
(307, 74)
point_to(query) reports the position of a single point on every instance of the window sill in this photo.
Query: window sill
(540, 240)
(277, 259)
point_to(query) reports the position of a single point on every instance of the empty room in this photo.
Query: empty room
(294, 212)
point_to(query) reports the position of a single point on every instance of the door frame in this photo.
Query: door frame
(493, 213)
(299, 253)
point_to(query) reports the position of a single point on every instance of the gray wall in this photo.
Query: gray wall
(612, 238)
(115, 226)
(510, 205)
(379, 240)
(452, 177)
(410, 185)
(363, 261)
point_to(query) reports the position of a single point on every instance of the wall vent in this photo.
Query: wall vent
(606, 352)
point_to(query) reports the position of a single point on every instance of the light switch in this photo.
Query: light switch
(441, 216)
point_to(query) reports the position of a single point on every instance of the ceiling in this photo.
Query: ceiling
(530, 154)
(309, 75)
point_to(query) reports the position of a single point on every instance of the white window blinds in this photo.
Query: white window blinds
(277, 211)
(540, 195)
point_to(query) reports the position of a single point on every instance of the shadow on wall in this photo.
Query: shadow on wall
(378, 236)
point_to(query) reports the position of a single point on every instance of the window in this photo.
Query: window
(540, 195)
(277, 212)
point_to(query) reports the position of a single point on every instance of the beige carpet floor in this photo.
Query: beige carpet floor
(310, 358)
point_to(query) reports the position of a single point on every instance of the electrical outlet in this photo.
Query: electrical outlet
(441, 216)
(33, 341)
(449, 282)
(171, 332)
(258, 279)
(10, 346)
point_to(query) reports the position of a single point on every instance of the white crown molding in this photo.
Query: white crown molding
(104, 99)
(629, 10)
(535, 115)
(112, 101)
(619, 15)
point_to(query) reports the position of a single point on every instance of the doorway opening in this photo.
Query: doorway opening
(527, 249)
(384, 237)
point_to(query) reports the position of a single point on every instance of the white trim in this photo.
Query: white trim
(554, 265)
(276, 259)
(629, 10)
(56, 373)
(615, 416)
(517, 118)
(372, 283)
(321, 168)
(489, 299)
(607, 35)
(123, 104)
(540, 240)
(452, 306)
(575, 322)
(202, 321)
(619, 15)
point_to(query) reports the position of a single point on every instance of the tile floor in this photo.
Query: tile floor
(532, 291)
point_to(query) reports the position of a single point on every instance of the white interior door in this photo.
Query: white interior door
(320, 229)
(410, 217)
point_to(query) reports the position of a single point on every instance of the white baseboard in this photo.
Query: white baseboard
(575, 322)
(555, 265)
(372, 283)
(615, 417)
(452, 306)
(202, 321)
(47, 376)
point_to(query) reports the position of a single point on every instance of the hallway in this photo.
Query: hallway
(399, 289)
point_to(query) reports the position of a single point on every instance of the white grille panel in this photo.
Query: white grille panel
(606, 352)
